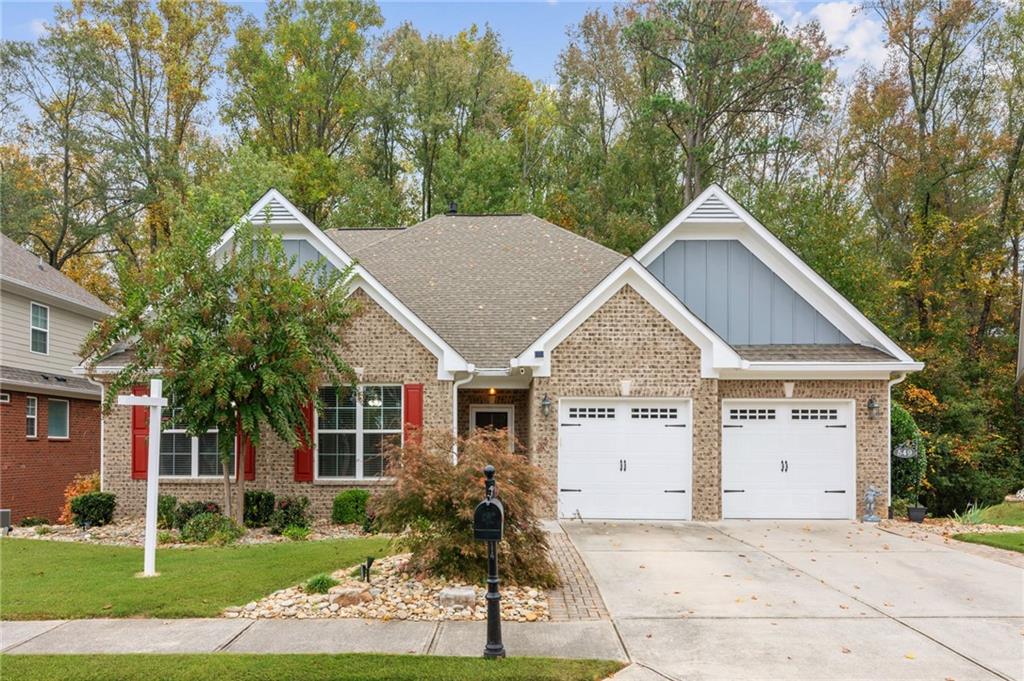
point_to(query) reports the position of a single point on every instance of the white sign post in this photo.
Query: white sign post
(156, 402)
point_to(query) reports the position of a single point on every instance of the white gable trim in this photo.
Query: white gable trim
(288, 221)
(705, 218)
(715, 353)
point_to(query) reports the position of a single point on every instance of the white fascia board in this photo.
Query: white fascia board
(448, 359)
(820, 370)
(715, 353)
(780, 259)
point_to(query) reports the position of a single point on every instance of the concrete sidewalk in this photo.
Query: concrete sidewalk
(592, 639)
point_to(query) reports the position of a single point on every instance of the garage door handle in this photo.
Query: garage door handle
(834, 426)
(732, 425)
(566, 489)
(570, 425)
(675, 491)
(733, 491)
(675, 425)
(835, 491)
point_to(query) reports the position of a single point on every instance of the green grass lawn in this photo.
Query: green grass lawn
(1011, 541)
(1004, 514)
(299, 668)
(62, 580)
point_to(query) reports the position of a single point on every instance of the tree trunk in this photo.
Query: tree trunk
(227, 490)
(239, 510)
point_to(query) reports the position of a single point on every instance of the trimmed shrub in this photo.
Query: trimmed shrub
(289, 511)
(319, 584)
(296, 532)
(259, 506)
(350, 507)
(165, 506)
(93, 509)
(185, 512)
(33, 521)
(211, 528)
(432, 501)
(907, 474)
(82, 484)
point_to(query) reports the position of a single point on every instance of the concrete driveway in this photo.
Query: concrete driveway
(803, 600)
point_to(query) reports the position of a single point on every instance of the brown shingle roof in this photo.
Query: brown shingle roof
(489, 285)
(812, 353)
(43, 381)
(352, 240)
(19, 266)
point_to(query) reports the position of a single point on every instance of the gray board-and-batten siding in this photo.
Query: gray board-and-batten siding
(736, 294)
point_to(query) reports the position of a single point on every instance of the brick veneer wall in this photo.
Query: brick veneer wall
(872, 435)
(628, 339)
(374, 341)
(35, 471)
(517, 398)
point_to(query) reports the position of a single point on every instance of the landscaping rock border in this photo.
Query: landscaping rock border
(394, 594)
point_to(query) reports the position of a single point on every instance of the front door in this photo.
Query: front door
(498, 417)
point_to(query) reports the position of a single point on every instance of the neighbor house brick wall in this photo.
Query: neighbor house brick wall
(35, 471)
(628, 339)
(872, 435)
(519, 399)
(373, 341)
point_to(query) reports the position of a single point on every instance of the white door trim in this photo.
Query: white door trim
(509, 409)
(851, 403)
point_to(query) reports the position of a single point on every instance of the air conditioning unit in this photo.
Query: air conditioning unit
(5, 520)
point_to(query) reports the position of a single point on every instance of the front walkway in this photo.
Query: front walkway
(803, 601)
(594, 640)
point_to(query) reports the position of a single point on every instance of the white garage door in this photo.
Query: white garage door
(788, 459)
(624, 459)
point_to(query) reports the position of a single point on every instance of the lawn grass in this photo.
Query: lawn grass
(1004, 514)
(1010, 541)
(220, 666)
(65, 580)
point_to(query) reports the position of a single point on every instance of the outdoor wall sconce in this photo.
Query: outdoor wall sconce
(874, 409)
(545, 405)
(491, 395)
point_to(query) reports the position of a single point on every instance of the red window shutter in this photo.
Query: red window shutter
(413, 403)
(244, 447)
(304, 451)
(140, 435)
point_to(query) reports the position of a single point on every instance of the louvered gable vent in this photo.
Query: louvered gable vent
(277, 213)
(713, 208)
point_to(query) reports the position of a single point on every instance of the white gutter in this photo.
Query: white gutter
(888, 434)
(455, 410)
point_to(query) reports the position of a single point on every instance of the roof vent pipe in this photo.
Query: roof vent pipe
(453, 208)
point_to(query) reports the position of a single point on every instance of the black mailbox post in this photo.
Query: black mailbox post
(488, 525)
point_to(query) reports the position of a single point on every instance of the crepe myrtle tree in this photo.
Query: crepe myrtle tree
(240, 340)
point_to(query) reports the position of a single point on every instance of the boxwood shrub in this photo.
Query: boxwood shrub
(185, 512)
(92, 509)
(211, 528)
(165, 506)
(290, 511)
(350, 507)
(259, 506)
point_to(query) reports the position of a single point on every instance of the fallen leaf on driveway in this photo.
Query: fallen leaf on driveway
(727, 575)
(910, 656)
(844, 607)
(845, 649)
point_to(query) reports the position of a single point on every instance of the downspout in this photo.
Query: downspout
(888, 433)
(455, 410)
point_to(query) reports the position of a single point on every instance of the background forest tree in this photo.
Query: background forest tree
(902, 185)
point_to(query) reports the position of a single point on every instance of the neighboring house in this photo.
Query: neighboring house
(50, 417)
(713, 374)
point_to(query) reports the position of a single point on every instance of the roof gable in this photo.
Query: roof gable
(715, 215)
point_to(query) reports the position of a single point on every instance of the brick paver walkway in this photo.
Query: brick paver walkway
(577, 598)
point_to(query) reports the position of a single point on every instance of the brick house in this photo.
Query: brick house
(49, 417)
(712, 374)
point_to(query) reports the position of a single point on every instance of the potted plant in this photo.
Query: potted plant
(917, 512)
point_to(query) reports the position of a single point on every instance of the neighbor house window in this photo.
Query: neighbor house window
(183, 456)
(5, 398)
(355, 429)
(57, 418)
(40, 328)
(31, 404)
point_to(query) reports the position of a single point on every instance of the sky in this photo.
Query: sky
(535, 31)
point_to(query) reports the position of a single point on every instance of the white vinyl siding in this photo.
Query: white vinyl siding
(183, 456)
(58, 419)
(353, 434)
(66, 332)
(31, 417)
(39, 331)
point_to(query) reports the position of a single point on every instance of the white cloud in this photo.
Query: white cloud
(38, 28)
(853, 29)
